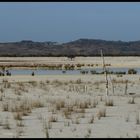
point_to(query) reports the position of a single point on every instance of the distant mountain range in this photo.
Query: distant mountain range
(80, 47)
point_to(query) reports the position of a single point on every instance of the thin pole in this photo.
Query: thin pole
(111, 83)
(105, 72)
(126, 86)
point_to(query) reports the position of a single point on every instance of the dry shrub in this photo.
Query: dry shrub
(57, 82)
(1, 90)
(83, 105)
(120, 81)
(127, 118)
(60, 104)
(22, 106)
(101, 113)
(47, 81)
(46, 132)
(109, 102)
(132, 101)
(19, 123)
(49, 125)
(1, 97)
(18, 115)
(37, 104)
(91, 119)
(53, 119)
(77, 121)
(67, 113)
(7, 125)
(33, 83)
(78, 81)
(95, 103)
(5, 106)
(137, 118)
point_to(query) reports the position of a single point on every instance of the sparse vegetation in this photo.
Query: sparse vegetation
(132, 71)
(72, 104)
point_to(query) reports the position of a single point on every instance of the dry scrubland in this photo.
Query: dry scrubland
(69, 106)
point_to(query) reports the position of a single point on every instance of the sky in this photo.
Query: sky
(68, 21)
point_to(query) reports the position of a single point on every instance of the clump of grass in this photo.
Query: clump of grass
(19, 132)
(88, 133)
(49, 125)
(60, 130)
(83, 105)
(137, 135)
(1, 90)
(67, 113)
(7, 124)
(47, 81)
(101, 113)
(23, 106)
(5, 106)
(33, 83)
(37, 104)
(40, 117)
(53, 119)
(1, 122)
(18, 115)
(66, 123)
(60, 104)
(91, 119)
(19, 123)
(1, 97)
(46, 131)
(137, 118)
(77, 121)
(8, 84)
(95, 103)
(101, 98)
(109, 102)
(127, 118)
(78, 81)
(132, 101)
(82, 115)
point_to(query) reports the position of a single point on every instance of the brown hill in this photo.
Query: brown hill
(80, 47)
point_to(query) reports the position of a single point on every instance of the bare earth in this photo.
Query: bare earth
(71, 106)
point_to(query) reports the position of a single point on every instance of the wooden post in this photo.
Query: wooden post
(111, 84)
(126, 86)
(105, 72)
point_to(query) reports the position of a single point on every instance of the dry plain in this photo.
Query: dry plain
(96, 61)
(72, 106)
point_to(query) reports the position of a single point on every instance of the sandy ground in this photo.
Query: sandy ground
(113, 61)
(69, 106)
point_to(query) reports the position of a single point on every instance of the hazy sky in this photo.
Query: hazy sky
(67, 21)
